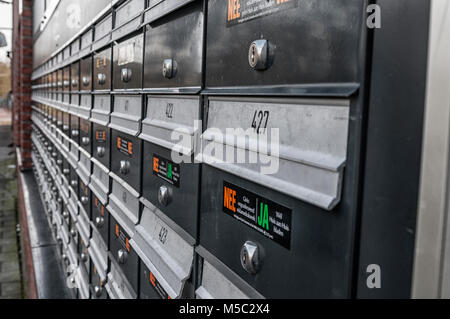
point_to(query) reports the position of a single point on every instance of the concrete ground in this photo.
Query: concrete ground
(10, 276)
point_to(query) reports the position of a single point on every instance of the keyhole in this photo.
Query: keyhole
(253, 54)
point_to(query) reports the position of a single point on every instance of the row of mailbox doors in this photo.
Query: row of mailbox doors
(277, 44)
(93, 155)
(276, 231)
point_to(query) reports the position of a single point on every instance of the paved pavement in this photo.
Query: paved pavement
(10, 276)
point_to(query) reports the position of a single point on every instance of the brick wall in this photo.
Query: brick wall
(22, 67)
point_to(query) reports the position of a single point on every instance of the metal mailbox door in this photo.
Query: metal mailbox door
(100, 218)
(174, 49)
(86, 135)
(171, 178)
(126, 158)
(121, 250)
(261, 43)
(102, 34)
(166, 258)
(128, 18)
(86, 74)
(102, 70)
(97, 284)
(75, 77)
(128, 59)
(102, 143)
(270, 184)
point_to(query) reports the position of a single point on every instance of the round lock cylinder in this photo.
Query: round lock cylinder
(75, 133)
(99, 222)
(85, 141)
(122, 256)
(73, 232)
(101, 151)
(124, 167)
(258, 54)
(73, 183)
(98, 291)
(126, 74)
(86, 80)
(66, 83)
(169, 68)
(65, 214)
(66, 171)
(164, 195)
(84, 200)
(101, 78)
(74, 83)
(65, 127)
(59, 161)
(83, 257)
(250, 257)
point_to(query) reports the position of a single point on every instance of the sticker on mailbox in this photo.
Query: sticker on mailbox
(125, 146)
(240, 11)
(123, 237)
(263, 215)
(156, 285)
(167, 170)
(100, 136)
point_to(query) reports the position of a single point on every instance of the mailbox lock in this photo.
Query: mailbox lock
(122, 256)
(86, 80)
(98, 291)
(164, 197)
(73, 183)
(100, 151)
(83, 257)
(101, 78)
(65, 214)
(169, 68)
(65, 127)
(250, 257)
(66, 83)
(74, 82)
(84, 200)
(126, 75)
(99, 221)
(59, 161)
(75, 133)
(66, 171)
(258, 54)
(124, 167)
(59, 123)
(73, 232)
(85, 141)
(54, 154)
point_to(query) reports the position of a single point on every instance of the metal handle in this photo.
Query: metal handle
(126, 74)
(85, 141)
(100, 151)
(84, 200)
(122, 256)
(250, 257)
(169, 68)
(99, 221)
(83, 257)
(124, 167)
(164, 196)
(258, 54)
(86, 80)
(98, 291)
(101, 78)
